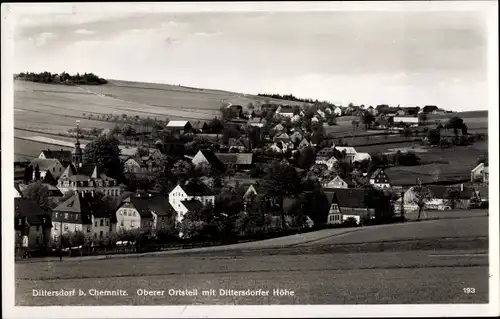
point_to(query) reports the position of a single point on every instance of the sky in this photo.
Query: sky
(374, 57)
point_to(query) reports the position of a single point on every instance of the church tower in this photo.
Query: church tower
(77, 151)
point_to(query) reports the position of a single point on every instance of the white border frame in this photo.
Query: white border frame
(9, 12)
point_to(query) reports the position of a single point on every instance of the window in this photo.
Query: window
(60, 169)
(102, 222)
(37, 228)
(66, 226)
(37, 240)
(121, 212)
(55, 226)
(101, 234)
(66, 215)
(89, 229)
(95, 235)
(107, 222)
(121, 223)
(95, 223)
(56, 237)
(56, 215)
(77, 227)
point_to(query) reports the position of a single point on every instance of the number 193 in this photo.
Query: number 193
(469, 290)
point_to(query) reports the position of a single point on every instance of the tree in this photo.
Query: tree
(421, 196)
(39, 193)
(434, 136)
(282, 181)
(104, 152)
(456, 123)
(453, 196)
(142, 151)
(368, 119)
(306, 157)
(182, 170)
(49, 178)
(28, 174)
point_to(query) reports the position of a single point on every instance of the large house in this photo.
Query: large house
(80, 213)
(379, 179)
(351, 203)
(88, 179)
(145, 213)
(52, 165)
(480, 173)
(188, 191)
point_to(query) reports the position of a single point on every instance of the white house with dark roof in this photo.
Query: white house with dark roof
(479, 173)
(180, 126)
(337, 182)
(189, 191)
(379, 179)
(285, 111)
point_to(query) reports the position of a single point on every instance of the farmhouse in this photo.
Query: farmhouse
(403, 120)
(180, 126)
(64, 157)
(198, 191)
(206, 157)
(144, 212)
(236, 160)
(46, 165)
(338, 182)
(285, 111)
(379, 179)
(351, 203)
(479, 174)
(350, 153)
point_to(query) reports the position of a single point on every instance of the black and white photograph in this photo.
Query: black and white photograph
(250, 154)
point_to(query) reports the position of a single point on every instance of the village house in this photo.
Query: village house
(382, 122)
(303, 144)
(88, 179)
(283, 137)
(199, 126)
(350, 153)
(404, 120)
(207, 157)
(400, 112)
(255, 122)
(359, 157)
(64, 157)
(296, 136)
(280, 147)
(439, 112)
(144, 212)
(78, 213)
(296, 118)
(253, 191)
(33, 222)
(325, 160)
(379, 179)
(351, 203)
(188, 191)
(46, 165)
(239, 161)
(285, 111)
(479, 174)
(181, 127)
(140, 165)
(237, 145)
(338, 182)
(279, 128)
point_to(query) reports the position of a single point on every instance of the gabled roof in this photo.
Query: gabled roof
(197, 189)
(376, 172)
(349, 150)
(283, 136)
(61, 155)
(198, 125)
(144, 205)
(479, 166)
(286, 109)
(84, 205)
(210, 156)
(177, 124)
(70, 170)
(349, 197)
(192, 205)
(235, 158)
(43, 164)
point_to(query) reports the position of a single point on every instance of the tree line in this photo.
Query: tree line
(62, 78)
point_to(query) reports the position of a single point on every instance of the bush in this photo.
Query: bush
(350, 222)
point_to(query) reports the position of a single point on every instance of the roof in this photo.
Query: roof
(61, 155)
(236, 142)
(180, 124)
(349, 197)
(197, 189)
(84, 205)
(283, 136)
(376, 172)
(43, 164)
(70, 170)
(286, 109)
(361, 157)
(198, 125)
(235, 158)
(349, 150)
(192, 205)
(145, 205)
(211, 157)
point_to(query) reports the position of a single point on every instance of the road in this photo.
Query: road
(425, 262)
